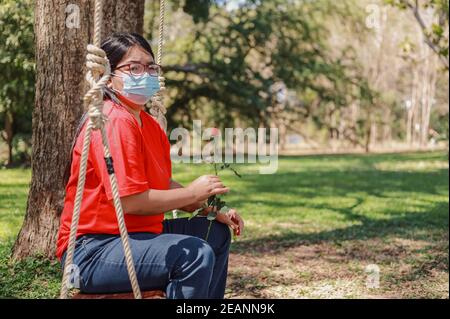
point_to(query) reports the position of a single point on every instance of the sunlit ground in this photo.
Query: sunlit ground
(311, 229)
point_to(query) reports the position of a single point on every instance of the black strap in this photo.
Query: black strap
(109, 165)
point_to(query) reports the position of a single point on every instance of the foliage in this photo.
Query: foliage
(18, 69)
(435, 32)
(238, 59)
(35, 277)
(198, 9)
(249, 63)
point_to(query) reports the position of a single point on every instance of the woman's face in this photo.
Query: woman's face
(135, 54)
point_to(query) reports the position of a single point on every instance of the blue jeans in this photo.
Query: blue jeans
(178, 260)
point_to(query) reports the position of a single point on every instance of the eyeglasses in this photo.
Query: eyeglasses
(138, 69)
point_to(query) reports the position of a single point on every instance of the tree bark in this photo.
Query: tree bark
(414, 108)
(60, 85)
(429, 87)
(8, 135)
(123, 15)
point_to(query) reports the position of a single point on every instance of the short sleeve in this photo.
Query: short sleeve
(125, 143)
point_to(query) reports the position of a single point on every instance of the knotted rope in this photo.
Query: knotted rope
(157, 107)
(97, 76)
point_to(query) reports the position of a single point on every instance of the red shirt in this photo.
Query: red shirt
(141, 159)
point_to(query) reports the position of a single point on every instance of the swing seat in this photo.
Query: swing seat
(149, 294)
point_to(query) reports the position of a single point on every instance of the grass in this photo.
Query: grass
(311, 229)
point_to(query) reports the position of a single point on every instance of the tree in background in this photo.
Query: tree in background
(17, 76)
(434, 29)
(315, 68)
(241, 64)
(428, 57)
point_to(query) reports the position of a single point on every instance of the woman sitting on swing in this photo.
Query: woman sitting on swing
(168, 254)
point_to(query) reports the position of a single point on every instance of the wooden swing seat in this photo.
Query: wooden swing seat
(149, 294)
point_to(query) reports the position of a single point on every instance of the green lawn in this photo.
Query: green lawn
(311, 229)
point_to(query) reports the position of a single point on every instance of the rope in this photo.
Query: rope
(162, 5)
(97, 64)
(157, 108)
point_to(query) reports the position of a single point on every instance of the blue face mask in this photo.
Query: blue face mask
(139, 90)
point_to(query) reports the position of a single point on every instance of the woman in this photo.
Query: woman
(168, 254)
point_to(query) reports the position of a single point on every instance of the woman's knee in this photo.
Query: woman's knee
(195, 252)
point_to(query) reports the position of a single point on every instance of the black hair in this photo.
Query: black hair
(115, 47)
(118, 44)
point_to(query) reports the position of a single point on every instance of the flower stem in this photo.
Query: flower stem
(209, 228)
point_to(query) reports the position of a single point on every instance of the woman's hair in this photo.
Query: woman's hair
(118, 44)
(115, 47)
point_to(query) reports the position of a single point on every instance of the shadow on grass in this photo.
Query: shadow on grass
(429, 214)
(419, 226)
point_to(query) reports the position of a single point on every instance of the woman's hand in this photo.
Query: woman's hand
(206, 186)
(188, 208)
(232, 219)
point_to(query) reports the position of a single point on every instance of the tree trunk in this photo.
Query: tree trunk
(60, 59)
(428, 97)
(123, 15)
(387, 127)
(8, 135)
(413, 110)
(368, 134)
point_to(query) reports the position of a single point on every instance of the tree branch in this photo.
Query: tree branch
(415, 9)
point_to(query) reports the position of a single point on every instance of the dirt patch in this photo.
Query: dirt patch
(339, 270)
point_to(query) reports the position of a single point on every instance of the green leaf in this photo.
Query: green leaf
(219, 204)
(211, 200)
